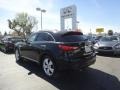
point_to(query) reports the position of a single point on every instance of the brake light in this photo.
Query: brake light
(67, 48)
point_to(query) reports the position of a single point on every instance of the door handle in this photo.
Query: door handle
(43, 46)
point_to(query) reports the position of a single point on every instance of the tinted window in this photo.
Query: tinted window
(8, 38)
(16, 38)
(71, 38)
(44, 37)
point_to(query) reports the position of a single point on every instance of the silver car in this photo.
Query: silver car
(108, 44)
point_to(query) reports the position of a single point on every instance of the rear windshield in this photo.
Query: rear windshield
(71, 38)
(15, 39)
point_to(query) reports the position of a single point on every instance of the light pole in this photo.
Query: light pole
(77, 24)
(42, 11)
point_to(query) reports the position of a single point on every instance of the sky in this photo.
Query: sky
(91, 14)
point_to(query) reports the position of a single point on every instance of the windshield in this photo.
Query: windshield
(109, 39)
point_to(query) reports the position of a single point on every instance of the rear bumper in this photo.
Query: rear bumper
(81, 63)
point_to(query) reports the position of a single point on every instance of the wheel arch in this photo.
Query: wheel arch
(46, 53)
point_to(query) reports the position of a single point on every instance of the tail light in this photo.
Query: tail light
(67, 48)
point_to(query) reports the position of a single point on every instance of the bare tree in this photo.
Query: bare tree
(22, 24)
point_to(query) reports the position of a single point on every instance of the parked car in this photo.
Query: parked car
(7, 43)
(108, 44)
(97, 38)
(56, 51)
(92, 39)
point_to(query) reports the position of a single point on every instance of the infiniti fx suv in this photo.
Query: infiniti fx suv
(57, 51)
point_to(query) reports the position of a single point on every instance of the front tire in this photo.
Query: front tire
(49, 66)
(17, 56)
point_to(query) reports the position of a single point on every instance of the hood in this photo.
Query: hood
(109, 43)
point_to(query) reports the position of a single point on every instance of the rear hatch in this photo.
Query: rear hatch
(75, 45)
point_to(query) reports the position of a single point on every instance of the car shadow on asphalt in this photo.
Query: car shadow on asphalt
(90, 79)
(108, 55)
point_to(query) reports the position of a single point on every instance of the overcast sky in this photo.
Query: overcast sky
(91, 14)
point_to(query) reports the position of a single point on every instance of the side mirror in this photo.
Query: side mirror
(27, 41)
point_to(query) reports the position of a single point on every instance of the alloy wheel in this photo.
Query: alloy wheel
(48, 66)
(17, 55)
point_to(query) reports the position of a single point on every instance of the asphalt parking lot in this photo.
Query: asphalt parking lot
(103, 75)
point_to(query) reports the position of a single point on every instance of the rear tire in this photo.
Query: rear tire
(49, 66)
(5, 50)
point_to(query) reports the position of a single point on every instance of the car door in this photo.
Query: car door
(40, 45)
(26, 47)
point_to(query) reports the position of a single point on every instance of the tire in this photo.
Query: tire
(49, 66)
(18, 56)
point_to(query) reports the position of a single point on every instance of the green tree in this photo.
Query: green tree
(23, 23)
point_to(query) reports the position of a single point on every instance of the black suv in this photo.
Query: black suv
(57, 51)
